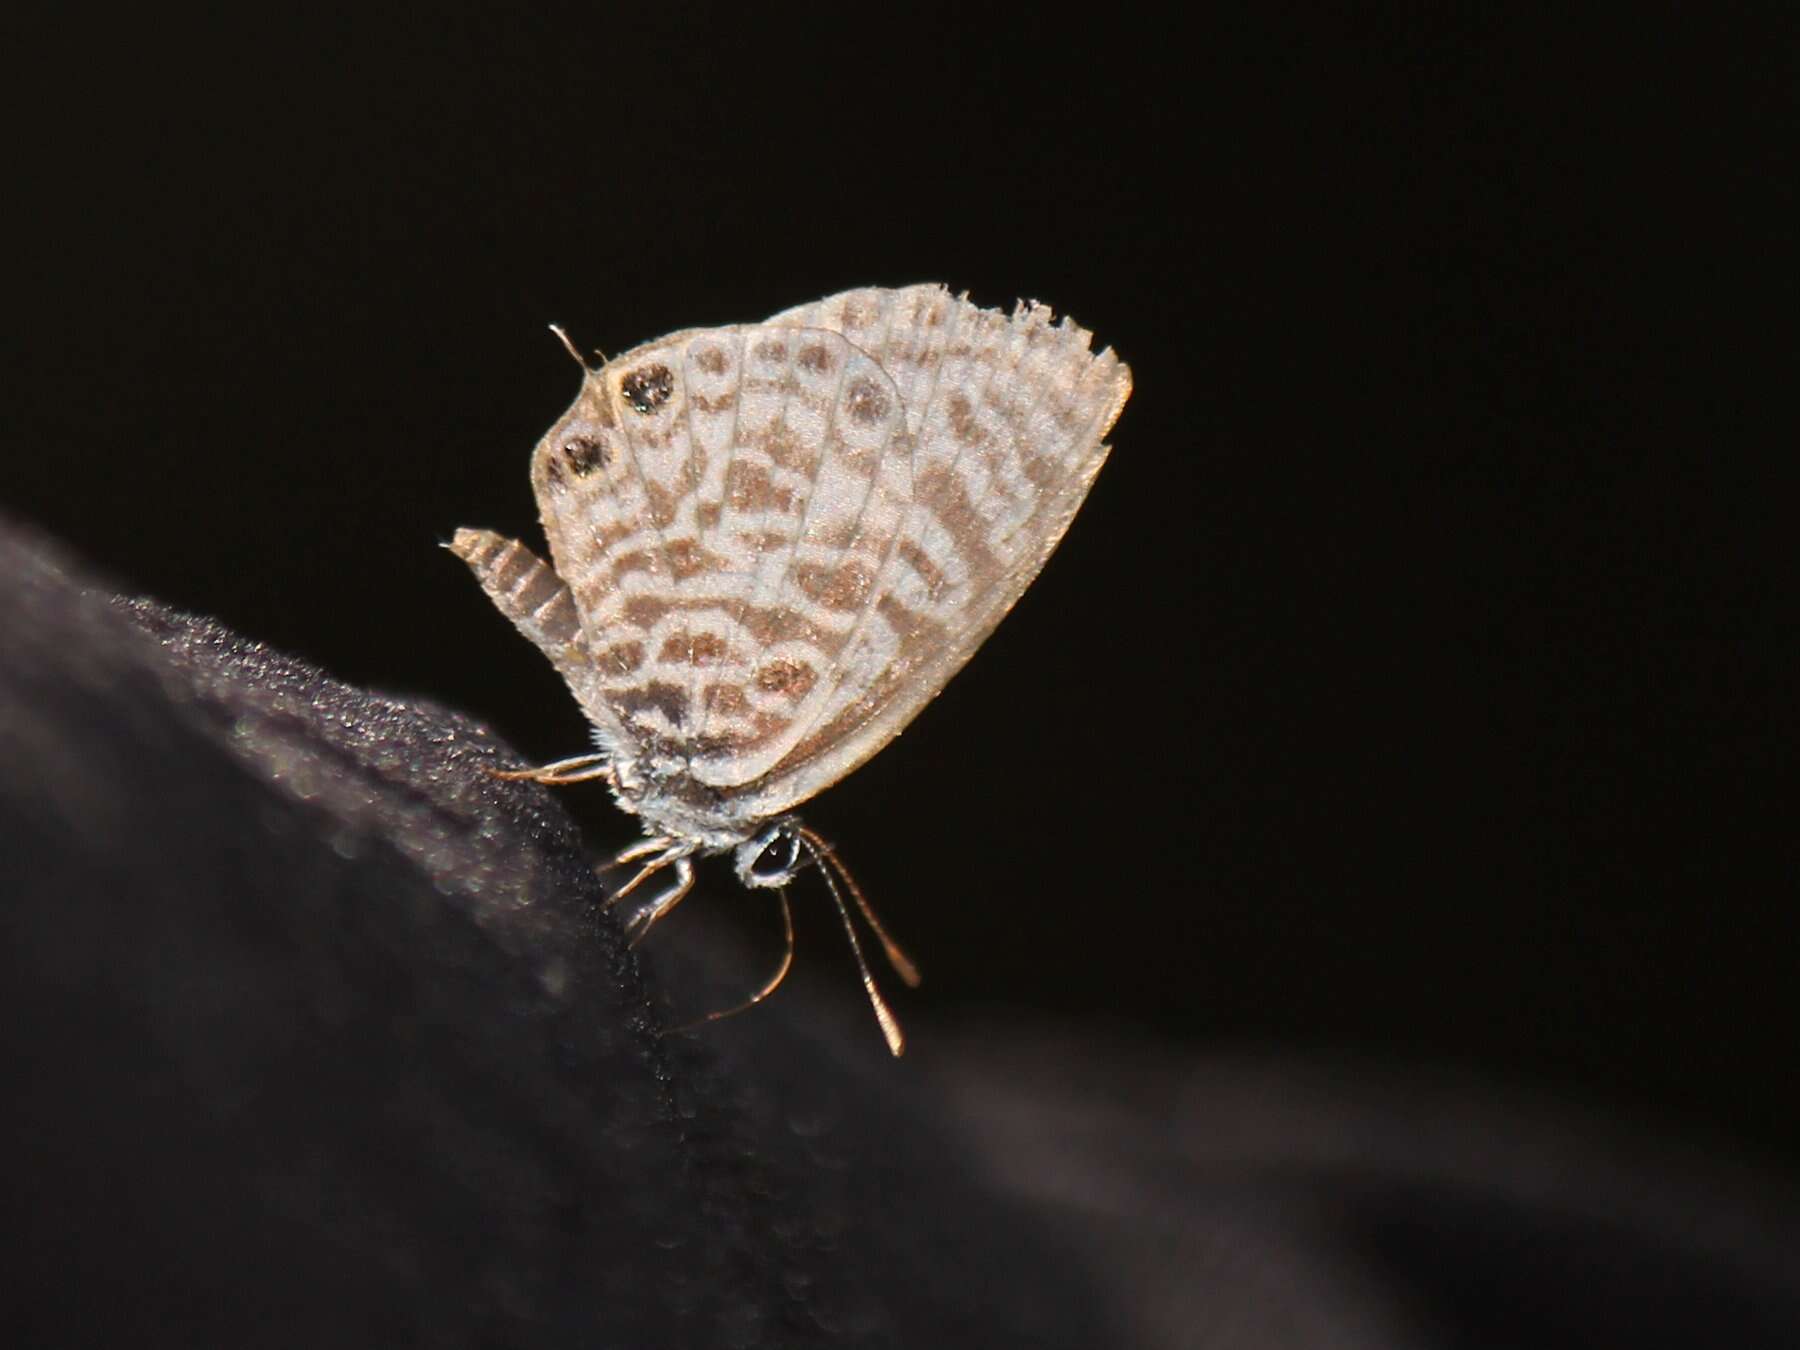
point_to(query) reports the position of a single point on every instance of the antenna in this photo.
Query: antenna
(890, 1026)
(571, 349)
(899, 960)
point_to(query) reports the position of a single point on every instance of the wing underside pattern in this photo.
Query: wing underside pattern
(781, 540)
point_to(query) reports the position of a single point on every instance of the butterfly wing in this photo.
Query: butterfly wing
(525, 589)
(783, 539)
(720, 504)
(1004, 422)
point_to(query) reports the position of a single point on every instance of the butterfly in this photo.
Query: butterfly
(773, 544)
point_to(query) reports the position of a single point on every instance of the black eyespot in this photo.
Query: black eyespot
(586, 454)
(648, 387)
(778, 859)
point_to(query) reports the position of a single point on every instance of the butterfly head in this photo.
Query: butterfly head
(771, 856)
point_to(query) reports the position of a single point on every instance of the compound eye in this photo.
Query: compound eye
(776, 861)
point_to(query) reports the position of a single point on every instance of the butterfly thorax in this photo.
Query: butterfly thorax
(661, 790)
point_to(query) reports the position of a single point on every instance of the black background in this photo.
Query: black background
(1417, 683)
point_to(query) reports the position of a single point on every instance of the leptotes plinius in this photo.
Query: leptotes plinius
(774, 543)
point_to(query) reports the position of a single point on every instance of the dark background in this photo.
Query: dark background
(1415, 686)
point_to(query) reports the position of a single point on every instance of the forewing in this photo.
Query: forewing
(783, 539)
(1005, 418)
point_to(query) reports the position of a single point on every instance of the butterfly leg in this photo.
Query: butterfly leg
(647, 917)
(642, 849)
(580, 769)
(667, 853)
